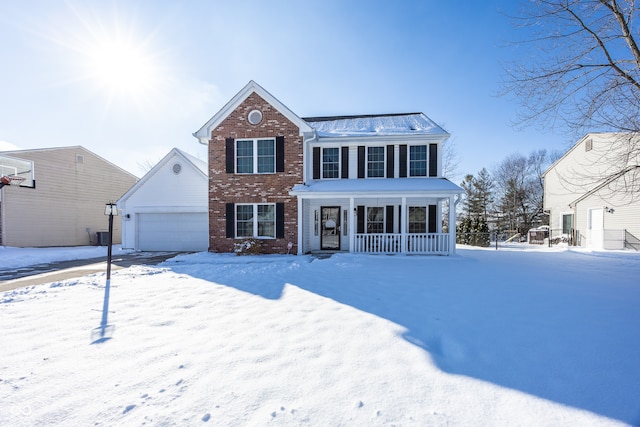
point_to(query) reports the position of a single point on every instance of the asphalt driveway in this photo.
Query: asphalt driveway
(52, 272)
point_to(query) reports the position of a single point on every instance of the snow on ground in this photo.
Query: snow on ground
(510, 337)
(11, 257)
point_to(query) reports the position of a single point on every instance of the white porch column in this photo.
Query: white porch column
(300, 226)
(352, 229)
(452, 225)
(403, 225)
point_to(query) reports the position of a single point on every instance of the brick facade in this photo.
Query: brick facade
(256, 188)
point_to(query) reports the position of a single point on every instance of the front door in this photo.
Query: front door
(330, 236)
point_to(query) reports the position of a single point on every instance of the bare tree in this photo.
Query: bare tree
(519, 191)
(579, 70)
(450, 160)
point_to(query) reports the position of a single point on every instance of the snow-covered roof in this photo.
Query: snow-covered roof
(387, 187)
(375, 124)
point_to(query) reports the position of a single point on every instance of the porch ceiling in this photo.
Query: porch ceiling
(396, 187)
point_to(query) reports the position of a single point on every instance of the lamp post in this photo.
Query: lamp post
(111, 210)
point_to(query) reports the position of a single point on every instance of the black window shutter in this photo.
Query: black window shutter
(390, 162)
(400, 219)
(361, 161)
(316, 162)
(389, 220)
(230, 154)
(280, 220)
(231, 221)
(344, 172)
(433, 159)
(433, 217)
(403, 161)
(360, 213)
(279, 153)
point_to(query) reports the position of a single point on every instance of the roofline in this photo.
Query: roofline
(603, 184)
(441, 137)
(586, 136)
(70, 147)
(356, 116)
(204, 133)
(147, 176)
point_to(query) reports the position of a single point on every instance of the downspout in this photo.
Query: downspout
(301, 219)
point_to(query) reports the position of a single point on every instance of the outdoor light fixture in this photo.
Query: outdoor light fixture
(111, 209)
(104, 331)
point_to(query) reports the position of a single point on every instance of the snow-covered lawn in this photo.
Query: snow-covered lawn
(509, 337)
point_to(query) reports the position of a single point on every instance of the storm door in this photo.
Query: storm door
(330, 236)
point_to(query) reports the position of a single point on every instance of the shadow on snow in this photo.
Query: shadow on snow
(563, 330)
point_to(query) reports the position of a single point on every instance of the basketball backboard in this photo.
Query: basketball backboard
(15, 167)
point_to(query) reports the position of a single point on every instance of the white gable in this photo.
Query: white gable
(204, 133)
(179, 179)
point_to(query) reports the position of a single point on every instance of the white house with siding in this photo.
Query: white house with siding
(596, 212)
(167, 209)
(374, 184)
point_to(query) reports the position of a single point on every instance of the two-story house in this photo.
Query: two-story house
(591, 192)
(369, 183)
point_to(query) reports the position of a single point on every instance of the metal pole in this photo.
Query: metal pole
(105, 307)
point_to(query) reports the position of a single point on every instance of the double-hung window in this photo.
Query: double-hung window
(256, 220)
(375, 162)
(255, 156)
(331, 163)
(375, 219)
(418, 160)
(417, 219)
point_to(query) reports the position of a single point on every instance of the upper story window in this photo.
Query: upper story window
(418, 160)
(255, 155)
(375, 162)
(330, 163)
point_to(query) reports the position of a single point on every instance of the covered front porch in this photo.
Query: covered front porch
(394, 216)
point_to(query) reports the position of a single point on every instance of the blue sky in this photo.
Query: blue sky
(130, 80)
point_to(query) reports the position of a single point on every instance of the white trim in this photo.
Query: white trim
(204, 133)
(322, 162)
(255, 221)
(254, 155)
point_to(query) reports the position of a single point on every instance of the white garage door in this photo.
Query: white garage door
(173, 231)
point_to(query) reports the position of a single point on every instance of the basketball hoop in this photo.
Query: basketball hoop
(11, 180)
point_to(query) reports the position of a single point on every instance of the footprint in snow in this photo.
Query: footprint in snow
(128, 408)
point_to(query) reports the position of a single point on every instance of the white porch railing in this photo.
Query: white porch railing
(388, 243)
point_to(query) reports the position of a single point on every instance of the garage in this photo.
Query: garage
(183, 231)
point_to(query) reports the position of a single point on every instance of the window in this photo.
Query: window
(375, 162)
(330, 163)
(255, 155)
(418, 160)
(375, 220)
(417, 219)
(567, 223)
(255, 220)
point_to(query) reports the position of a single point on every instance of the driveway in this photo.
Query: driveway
(52, 272)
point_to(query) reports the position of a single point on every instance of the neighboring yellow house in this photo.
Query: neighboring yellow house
(66, 207)
(588, 201)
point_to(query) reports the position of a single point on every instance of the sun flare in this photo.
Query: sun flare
(115, 57)
(122, 68)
